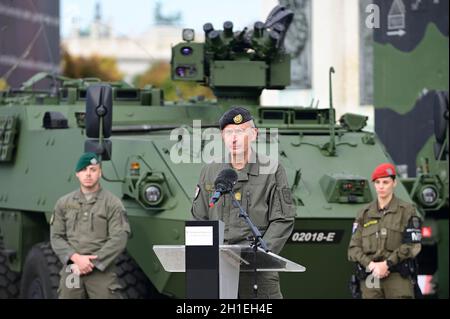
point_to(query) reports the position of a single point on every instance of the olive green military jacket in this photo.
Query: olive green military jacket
(265, 197)
(380, 236)
(98, 226)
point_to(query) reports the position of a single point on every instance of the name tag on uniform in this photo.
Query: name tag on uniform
(371, 222)
(73, 206)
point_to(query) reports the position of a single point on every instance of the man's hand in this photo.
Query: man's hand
(83, 263)
(381, 270)
(75, 270)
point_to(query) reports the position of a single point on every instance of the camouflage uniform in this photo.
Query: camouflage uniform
(98, 226)
(384, 235)
(268, 201)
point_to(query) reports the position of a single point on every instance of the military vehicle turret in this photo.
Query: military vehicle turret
(153, 152)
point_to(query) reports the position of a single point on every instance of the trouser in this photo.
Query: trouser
(95, 285)
(393, 286)
(268, 285)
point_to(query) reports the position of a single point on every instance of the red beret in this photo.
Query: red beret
(383, 170)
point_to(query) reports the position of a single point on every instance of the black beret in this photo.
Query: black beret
(235, 115)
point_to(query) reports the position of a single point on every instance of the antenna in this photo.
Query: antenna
(332, 144)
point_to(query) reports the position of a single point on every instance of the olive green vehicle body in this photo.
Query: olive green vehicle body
(43, 170)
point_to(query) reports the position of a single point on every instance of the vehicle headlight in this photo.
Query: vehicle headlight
(428, 196)
(188, 35)
(152, 194)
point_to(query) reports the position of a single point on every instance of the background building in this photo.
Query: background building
(333, 34)
(134, 53)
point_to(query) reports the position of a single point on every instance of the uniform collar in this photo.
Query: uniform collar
(391, 207)
(79, 196)
(249, 169)
(373, 210)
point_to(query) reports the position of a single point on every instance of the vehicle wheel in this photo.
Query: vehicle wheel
(40, 277)
(9, 280)
(135, 285)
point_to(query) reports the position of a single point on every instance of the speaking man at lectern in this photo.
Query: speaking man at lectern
(264, 194)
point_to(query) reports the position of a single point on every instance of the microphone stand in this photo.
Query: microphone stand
(257, 239)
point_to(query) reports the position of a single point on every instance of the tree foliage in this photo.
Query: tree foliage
(104, 68)
(3, 84)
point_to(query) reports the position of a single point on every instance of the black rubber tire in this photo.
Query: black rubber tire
(9, 280)
(135, 285)
(440, 110)
(40, 277)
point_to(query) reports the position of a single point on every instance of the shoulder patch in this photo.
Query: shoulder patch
(415, 222)
(413, 231)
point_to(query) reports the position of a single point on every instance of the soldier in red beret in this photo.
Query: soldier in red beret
(386, 239)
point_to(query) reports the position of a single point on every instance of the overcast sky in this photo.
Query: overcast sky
(134, 16)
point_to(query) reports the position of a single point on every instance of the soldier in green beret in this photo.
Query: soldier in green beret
(89, 230)
(266, 196)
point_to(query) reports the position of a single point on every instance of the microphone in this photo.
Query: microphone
(223, 184)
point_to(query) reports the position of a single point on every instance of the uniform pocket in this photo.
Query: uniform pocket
(256, 209)
(100, 224)
(394, 238)
(369, 239)
(71, 219)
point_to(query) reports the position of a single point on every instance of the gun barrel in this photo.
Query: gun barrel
(228, 29)
(258, 29)
(207, 28)
(214, 36)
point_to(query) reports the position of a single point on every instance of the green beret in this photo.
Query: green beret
(85, 160)
(235, 115)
